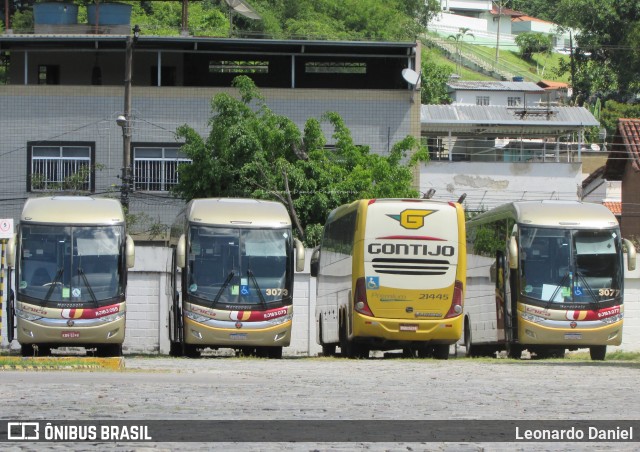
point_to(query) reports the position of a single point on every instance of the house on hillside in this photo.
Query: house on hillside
(495, 154)
(623, 165)
(555, 92)
(485, 93)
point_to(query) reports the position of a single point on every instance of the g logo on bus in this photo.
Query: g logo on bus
(412, 218)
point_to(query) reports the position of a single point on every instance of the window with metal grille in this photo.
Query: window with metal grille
(155, 167)
(61, 167)
(482, 100)
(514, 101)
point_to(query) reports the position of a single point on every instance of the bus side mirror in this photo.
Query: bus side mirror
(631, 255)
(181, 252)
(130, 251)
(513, 253)
(11, 251)
(300, 255)
(315, 262)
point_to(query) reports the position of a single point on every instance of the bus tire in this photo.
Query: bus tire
(470, 349)
(109, 351)
(598, 352)
(26, 350)
(441, 351)
(274, 352)
(175, 349)
(190, 351)
(514, 351)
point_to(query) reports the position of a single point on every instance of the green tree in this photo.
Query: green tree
(530, 43)
(459, 38)
(252, 152)
(607, 62)
(434, 83)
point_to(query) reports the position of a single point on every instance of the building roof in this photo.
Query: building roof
(625, 148)
(494, 85)
(614, 206)
(502, 120)
(94, 42)
(550, 84)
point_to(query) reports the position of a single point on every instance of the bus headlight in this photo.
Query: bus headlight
(280, 320)
(532, 318)
(196, 317)
(112, 317)
(27, 315)
(613, 319)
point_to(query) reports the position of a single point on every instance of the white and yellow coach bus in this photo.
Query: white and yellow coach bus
(233, 267)
(390, 275)
(71, 255)
(545, 276)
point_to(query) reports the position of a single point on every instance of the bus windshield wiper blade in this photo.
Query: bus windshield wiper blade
(87, 285)
(53, 283)
(555, 292)
(589, 288)
(255, 283)
(224, 286)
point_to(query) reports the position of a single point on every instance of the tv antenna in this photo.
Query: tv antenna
(243, 9)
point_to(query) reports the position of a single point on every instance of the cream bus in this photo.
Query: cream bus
(233, 267)
(545, 276)
(71, 255)
(390, 275)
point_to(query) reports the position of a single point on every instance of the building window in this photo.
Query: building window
(61, 167)
(514, 101)
(155, 166)
(239, 67)
(48, 75)
(332, 67)
(482, 100)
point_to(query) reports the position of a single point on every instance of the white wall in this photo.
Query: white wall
(490, 184)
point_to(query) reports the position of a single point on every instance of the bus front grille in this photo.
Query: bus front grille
(393, 266)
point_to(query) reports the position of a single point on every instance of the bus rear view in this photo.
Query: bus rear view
(406, 277)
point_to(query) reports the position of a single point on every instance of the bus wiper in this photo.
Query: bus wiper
(589, 288)
(255, 283)
(87, 285)
(224, 286)
(555, 292)
(54, 283)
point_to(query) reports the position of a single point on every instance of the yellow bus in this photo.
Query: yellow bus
(390, 275)
(71, 255)
(233, 266)
(545, 276)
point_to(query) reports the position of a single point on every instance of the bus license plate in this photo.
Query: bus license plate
(573, 336)
(405, 327)
(70, 334)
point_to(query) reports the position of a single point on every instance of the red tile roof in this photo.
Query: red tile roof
(625, 149)
(614, 207)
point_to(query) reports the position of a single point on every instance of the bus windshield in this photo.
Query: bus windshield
(570, 266)
(239, 266)
(76, 264)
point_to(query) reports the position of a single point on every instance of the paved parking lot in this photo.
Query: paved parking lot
(312, 389)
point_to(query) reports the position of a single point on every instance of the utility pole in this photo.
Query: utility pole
(124, 121)
(498, 32)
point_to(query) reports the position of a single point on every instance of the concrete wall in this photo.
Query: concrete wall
(490, 184)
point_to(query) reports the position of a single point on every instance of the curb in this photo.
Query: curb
(60, 363)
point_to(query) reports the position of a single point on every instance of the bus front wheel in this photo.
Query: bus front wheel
(598, 352)
(109, 351)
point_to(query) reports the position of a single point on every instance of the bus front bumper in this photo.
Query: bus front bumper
(561, 333)
(79, 333)
(239, 334)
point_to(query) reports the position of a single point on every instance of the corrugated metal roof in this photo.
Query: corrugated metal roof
(491, 85)
(502, 119)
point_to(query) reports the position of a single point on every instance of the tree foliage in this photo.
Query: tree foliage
(530, 43)
(253, 152)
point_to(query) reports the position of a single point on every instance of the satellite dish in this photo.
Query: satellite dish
(411, 76)
(241, 7)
